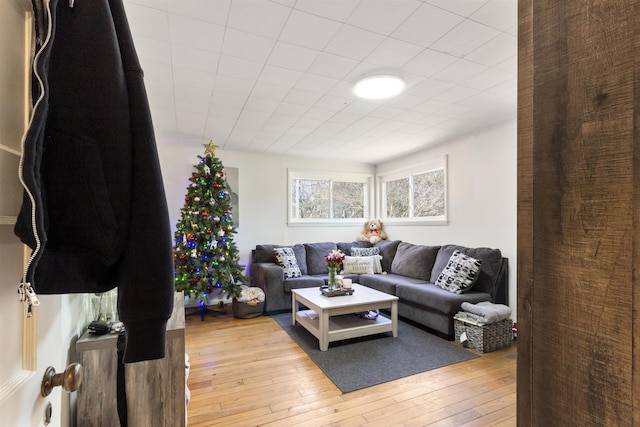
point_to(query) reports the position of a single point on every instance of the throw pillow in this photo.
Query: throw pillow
(357, 265)
(372, 252)
(460, 273)
(287, 260)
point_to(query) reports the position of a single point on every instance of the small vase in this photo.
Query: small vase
(332, 283)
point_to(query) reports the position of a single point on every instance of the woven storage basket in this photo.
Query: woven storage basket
(485, 338)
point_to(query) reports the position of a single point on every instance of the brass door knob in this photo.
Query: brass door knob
(70, 379)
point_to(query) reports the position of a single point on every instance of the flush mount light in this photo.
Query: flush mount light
(378, 87)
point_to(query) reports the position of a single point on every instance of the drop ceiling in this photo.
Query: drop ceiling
(276, 76)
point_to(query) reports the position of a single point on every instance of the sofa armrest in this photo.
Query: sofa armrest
(270, 278)
(500, 291)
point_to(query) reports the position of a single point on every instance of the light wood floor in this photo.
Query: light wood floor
(248, 372)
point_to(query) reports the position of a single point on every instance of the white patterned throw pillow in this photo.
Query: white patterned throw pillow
(287, 260)
(460, 273)
(358, 264)
(370, 252)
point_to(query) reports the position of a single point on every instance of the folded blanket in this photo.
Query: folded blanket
(488, 312)
(470, 318)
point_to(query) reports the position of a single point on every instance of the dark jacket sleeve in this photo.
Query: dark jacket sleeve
(146, 286)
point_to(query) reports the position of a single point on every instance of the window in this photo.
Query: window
(328, 197)
(416, 195)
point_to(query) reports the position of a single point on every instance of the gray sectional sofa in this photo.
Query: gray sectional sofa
(410, 272)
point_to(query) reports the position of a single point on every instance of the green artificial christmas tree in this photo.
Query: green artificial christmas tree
(205, 255)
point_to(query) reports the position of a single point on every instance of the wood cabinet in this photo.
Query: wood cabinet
(155, 389)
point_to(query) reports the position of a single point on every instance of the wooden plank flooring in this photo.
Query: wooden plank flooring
(248, 372)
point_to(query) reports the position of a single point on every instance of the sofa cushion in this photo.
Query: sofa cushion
(437, 299)
(302, 282)
(460, 273)
(491, 264)
(388, 250)
(386, 282)
(287, 260)
(414, 260)
(358, 264)
(315, 256)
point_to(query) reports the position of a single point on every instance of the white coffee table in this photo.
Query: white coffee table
(321, 318)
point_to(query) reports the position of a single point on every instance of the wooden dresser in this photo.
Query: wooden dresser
(155, 388)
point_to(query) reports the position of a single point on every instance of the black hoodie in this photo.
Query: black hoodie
(94, 210)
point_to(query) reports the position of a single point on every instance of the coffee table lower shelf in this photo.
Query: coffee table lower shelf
(343, 327)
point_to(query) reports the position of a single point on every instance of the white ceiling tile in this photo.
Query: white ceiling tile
(268, 91)
(382, 16)
(251, 95)
(456, 94)
(188, 57)
(195, 78)
(495, 51)
(330, 65)
(195, 33)
(457, 41)
(488, 79)
(246, 45)
(239, 67)
(230, 84)
(148, 22)
(302, 97)
(315, 83)
(304, 29)
(463, 8)
(204, 10)
(393, 53)
(261, 104)
(153, 50)
(352, 42)
(264, 18)
(460, 71)
(338, 10)
(335, 103)
(292, 57)
(279, 76)
(499, 14)
(428, 63)
(426, 25)
(429, 88)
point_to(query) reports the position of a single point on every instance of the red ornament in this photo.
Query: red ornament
(186, 199)
(205, 213)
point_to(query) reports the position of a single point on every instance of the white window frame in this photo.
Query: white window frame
(366, 179)
(423, 167)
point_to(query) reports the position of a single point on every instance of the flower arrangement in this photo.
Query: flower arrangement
(334, 259)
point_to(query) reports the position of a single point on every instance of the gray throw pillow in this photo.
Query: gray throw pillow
(414, 261)
(287, 260)
(460, 273)
(316, 263)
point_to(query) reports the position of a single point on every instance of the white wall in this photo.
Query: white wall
(481, 194)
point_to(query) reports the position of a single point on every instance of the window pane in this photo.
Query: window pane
(348, 200)
(310, 198)
(428, 194)
(397, 194)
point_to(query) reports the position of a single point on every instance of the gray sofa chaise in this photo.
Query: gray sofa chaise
(410, 273)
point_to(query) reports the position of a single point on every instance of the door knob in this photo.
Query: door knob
(70, 379)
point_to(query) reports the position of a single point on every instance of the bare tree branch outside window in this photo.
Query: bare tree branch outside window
(428, 194)
(398, 198)
(327, 199)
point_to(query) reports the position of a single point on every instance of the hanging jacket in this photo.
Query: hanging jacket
(94, 209)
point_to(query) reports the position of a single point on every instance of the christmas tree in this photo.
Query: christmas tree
(205, 255)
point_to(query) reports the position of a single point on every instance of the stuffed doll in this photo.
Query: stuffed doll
(373, 232)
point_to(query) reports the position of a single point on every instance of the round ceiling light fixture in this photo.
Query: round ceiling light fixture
(378, 87)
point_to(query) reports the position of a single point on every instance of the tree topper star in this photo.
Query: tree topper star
(210, 148)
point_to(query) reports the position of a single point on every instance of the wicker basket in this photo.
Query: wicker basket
(485, 338)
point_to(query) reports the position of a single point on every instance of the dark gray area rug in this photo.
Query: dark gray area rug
(362, 362)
